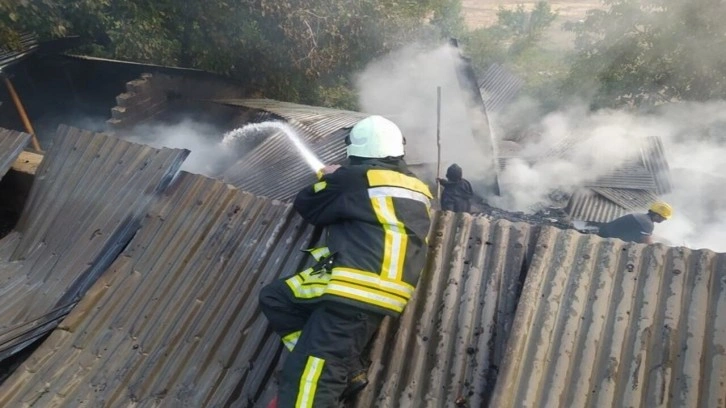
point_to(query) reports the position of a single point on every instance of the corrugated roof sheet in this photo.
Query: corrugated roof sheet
(273, 168)
(587, 205)
(28, 45)
(174, 320)
(88, 197)
(604, 323)
(448, 344)
(12, 144)
(627, 198)
(498, 87)
(318, 121)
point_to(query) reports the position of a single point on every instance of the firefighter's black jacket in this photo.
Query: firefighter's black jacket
(377, 217)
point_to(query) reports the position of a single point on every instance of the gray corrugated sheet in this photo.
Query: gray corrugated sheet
(28, 45)
(654, 158)
(627, 176)
(88, 197)
(498, 87)
(587, 205)
(317, 121)
(174, 320)
(603, 323)
(12, 144)
(448, 344)
(627, 198)
(273, 168)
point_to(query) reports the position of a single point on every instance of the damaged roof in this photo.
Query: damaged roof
(174, 320)
(27, 45)
(631, 186)
(89, 194)
(606, 323)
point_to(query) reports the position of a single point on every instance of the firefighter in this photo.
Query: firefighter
(637, 227)
(457, 194)
(376, 216)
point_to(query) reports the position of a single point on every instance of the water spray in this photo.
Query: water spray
(307, 155)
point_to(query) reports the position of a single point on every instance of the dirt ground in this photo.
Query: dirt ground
(483, 13)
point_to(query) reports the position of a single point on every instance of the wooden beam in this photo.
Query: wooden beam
(27, 162)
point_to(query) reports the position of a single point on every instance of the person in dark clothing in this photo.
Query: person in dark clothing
(457, 194)
(637, 227)
(376, 215)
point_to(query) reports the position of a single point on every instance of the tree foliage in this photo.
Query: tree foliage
(646, 52)
(293, 49)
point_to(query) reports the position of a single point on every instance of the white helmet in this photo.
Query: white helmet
(375, 137)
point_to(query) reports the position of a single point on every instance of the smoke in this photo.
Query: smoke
(403, 87)
(208, 155)
(561, 151)
(694, 138)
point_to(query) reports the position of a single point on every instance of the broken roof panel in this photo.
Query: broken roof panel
(28, 44)
(88, 197)
(174, 320)
(587, 205)
(627, 198)
(12, 144)
(605, 323)
(498, 87)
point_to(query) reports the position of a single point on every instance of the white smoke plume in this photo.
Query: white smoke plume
(571, 147)
(403, 87)
(208, 155)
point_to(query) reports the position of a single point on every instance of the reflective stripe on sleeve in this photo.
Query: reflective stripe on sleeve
(319, 186)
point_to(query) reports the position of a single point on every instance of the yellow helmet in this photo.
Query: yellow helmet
(662, 208)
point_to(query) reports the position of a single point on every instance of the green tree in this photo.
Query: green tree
(296, 50)
(647, 52)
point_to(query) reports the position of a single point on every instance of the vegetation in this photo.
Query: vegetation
(629, 53)
(646, 52)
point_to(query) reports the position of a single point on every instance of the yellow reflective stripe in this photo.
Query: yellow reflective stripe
(319, 253)
(319, 186)
(290, 341)
(369, 279)
(395, 241)
(394, 178)
(399, 192)
(309, 382)
(365, 295)
(302, 289)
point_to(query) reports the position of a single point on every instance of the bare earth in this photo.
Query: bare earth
(482, 13)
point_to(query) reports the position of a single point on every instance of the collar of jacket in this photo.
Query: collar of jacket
(388, 163)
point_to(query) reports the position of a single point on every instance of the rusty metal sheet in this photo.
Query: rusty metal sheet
(12, 144)
(174, 320)
(448, 344)
(604, 323)
(87, 200)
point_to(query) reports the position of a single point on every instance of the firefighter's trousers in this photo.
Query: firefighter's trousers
(326, 339)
